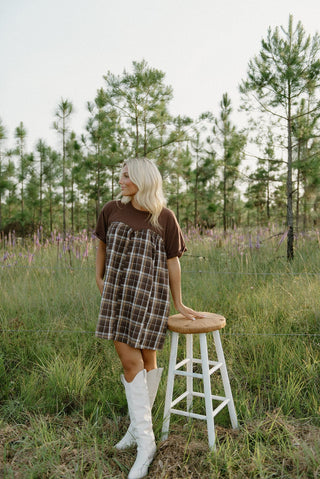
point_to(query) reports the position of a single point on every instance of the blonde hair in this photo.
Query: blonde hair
(144, 173)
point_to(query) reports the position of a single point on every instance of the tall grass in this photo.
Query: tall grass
(62, 406)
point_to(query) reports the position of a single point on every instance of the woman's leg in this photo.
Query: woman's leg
(153, 377)
(136, 387)
(131, 360)
(140, 415)
(134, 360)
(149, 357)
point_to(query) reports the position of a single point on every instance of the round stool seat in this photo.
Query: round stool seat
(211, 322)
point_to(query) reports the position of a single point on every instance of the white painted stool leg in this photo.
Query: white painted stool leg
(170, 382)
(189, 348)
(225, 379)
(207, 389)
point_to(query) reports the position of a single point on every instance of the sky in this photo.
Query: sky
(51, 50)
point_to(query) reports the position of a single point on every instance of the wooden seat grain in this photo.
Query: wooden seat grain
(210, 322)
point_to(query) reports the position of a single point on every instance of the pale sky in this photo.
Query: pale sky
(61, 49)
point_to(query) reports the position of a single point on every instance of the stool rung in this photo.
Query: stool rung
(176, 401)
(182, 363)
(187, 414)
(198, 375)
(216, 398)
(215, 368)
(198, 361)
(194, 415)
(201, 395)
(224, 401)
(193, 360)
(221, 406)
(185, 373)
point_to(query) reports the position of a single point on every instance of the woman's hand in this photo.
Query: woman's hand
(189, 313)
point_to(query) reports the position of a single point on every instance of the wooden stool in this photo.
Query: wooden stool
(178, 324)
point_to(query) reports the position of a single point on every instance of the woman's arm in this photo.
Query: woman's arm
(175, 288)
(100, 265)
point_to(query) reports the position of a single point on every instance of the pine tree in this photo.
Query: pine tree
(24, 169)
(42, 149)
(106, 147)
(230, 147)
(51, 174)
(63, 113)
(266, 174)
(142, 100)
(283, 73)
(305, 132)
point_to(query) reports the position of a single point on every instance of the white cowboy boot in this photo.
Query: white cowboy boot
(153, 380)
(140, 415)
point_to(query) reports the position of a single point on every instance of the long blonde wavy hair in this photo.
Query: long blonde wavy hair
(144, 173)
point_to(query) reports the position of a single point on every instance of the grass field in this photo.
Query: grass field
(62, 406)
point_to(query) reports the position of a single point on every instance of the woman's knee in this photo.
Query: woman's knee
(131, 360)
(132, 364)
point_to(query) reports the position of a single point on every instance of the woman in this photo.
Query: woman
(137, 265)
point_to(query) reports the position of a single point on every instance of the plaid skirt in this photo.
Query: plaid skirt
(135, 300)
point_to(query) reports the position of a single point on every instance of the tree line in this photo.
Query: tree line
(203, 160)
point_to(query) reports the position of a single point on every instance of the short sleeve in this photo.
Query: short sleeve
(174, 241)
(103, 223)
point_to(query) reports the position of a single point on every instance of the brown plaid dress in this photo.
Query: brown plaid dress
(135, 300)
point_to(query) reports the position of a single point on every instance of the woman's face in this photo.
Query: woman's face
(128, 188)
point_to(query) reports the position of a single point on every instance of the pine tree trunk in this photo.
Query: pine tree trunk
(224, 199)
(64, 178)
(290, 237)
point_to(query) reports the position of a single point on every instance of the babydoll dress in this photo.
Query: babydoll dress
(136, 297)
